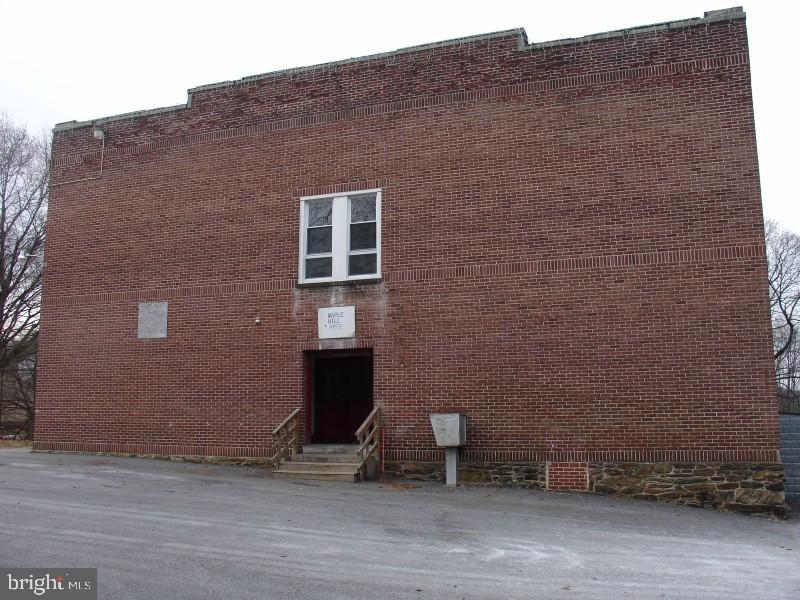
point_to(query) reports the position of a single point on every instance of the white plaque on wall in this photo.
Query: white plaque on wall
(336, 322)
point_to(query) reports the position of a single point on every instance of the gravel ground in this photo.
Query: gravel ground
(160, 529)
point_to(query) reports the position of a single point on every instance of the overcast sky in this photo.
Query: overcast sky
(65, 60)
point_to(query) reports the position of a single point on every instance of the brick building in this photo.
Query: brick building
(561, 240)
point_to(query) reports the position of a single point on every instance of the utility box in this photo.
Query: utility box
(449, 429)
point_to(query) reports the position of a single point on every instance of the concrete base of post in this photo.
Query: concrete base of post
(451, 464)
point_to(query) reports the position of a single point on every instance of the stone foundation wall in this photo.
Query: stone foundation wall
(740, 487)
(238, 461)
(522, 475)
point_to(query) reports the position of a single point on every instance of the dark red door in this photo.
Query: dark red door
(341, 396)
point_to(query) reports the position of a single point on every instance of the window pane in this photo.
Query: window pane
(320, 212)
(363, 264)
(362, 208)
(362, 236)
(318, 267)
(319, 240)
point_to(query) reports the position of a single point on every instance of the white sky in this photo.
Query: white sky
(65, 60)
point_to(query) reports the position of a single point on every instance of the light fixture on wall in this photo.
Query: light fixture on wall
(99, 134)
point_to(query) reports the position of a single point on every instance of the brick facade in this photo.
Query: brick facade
(567, 476)
(572, 253)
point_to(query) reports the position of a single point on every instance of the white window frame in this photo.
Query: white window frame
(340, 237)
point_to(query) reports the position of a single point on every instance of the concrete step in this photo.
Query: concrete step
(325, 458)
(327, 462)
(330, 448)
(318, 476)
(319, 467)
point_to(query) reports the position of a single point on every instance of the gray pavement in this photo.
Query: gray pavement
(159, 529)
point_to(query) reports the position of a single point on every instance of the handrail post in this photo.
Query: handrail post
(296, 435)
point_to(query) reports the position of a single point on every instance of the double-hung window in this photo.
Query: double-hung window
(340, 237)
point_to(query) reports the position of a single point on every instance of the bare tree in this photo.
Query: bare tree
(17, 388)
(24, 175)
(783, 255)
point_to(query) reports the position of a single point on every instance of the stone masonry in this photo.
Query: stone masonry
(739, 487)
(522, 475)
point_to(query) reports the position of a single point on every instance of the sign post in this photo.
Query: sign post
(450, 431)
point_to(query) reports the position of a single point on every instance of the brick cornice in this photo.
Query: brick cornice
(464, 96)
(486, 270)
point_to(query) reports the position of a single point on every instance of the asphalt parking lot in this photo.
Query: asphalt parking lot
(160, 529)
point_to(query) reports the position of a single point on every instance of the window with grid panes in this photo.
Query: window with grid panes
(340, 237)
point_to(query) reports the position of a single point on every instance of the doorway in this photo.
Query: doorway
(338, 395)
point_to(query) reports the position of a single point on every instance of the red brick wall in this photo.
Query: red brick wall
(565, 476)
(572, 254)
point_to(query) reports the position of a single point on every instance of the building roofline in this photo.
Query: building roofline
(519, 32)
(714, 16)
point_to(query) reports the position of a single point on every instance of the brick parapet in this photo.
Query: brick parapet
(474, 65)
(166, 143)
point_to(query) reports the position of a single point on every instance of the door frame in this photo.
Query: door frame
(310, 358)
